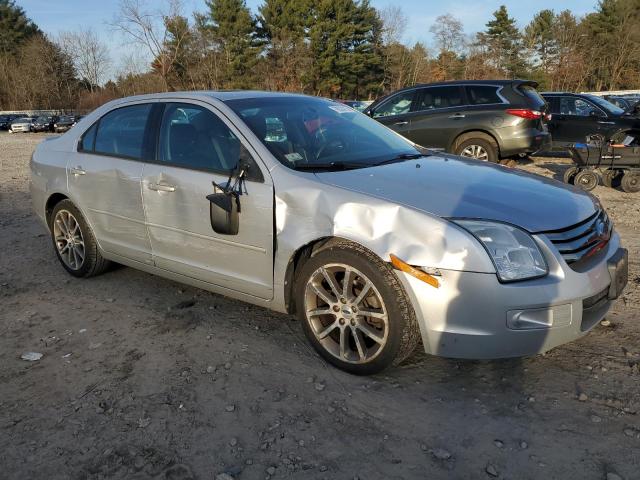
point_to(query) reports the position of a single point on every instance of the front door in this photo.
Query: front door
(196, 148)
(574, 119)
(104, 179)
(395, 113)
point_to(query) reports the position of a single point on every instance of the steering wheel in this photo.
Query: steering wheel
(338, 141)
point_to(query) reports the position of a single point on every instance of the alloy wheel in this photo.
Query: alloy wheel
(475, 151)
(346, 313)
(69, 240)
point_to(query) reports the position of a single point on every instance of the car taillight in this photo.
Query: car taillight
(525, 113)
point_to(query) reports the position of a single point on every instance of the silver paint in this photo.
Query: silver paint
(399, 209)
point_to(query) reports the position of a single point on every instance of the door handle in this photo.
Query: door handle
(606, 123)
(78, 170)
(458, 115)
(403, 122)
(161, 187)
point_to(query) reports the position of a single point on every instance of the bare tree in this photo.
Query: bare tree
(394, 24)
(449, 33)
(90, 56)
(148, 28)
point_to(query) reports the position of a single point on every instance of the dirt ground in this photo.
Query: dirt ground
(144, 378)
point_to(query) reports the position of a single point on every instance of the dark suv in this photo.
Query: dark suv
(576, 116)
(483, 119)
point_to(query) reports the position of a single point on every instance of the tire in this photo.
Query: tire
(569, 175)
(69, 228)
(630, 182)
(611, 178)
(339, 320)
(477, 145)
(586, 180)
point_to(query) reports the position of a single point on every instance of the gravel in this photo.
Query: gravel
(120, 404)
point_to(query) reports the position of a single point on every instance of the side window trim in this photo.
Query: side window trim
(253, 176)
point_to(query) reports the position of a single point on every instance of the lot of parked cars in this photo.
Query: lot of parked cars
(42, 123)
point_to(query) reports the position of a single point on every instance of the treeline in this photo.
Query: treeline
(335, 48)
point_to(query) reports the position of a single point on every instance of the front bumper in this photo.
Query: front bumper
(473, 315)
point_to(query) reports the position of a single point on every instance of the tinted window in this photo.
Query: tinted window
(576, 107)
(194, 137)
(396, 105)
(302, 132)
(608, 106)
(535, 99)
(86, 144)
(121, 132)
(483, 95)
(440, 97)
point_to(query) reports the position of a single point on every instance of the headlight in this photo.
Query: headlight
(512, 250)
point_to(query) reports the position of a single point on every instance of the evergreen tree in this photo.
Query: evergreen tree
(505, 40)
(15, 26)
(541, 39)
(233, 31)
(345, 43)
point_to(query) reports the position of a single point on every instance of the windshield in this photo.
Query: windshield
(608, 106)
(43, 119)
(23, 119)
(303, 132)
(534, 97)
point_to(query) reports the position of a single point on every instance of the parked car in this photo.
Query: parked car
(486, 120)
(44, 123)
(22, 124)
(5, 121)
(64, 123)
(575, 116)
(374, 243)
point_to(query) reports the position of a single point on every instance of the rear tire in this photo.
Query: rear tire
(477, 145)
(586, 180)
(74, 242)
(569, 175)
(334, 315)
(630, 182)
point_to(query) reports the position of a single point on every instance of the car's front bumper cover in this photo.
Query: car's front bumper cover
(473, 315)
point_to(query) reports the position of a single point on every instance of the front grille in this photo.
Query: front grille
(582, 239)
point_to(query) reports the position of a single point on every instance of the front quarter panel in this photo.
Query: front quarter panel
(307, 210)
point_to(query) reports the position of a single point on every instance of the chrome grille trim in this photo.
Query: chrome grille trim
(579, 240)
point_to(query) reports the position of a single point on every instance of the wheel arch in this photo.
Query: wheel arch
(51, 203)
(469, 131)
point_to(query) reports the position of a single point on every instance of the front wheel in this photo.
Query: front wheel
(354, 310)
(630, 182)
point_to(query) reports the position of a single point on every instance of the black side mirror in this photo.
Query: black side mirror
(224, 212)
(595, 113)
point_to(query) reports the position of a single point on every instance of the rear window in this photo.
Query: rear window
(535, 99)
(483, 95)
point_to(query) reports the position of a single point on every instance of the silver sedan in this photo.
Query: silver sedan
(303, 205)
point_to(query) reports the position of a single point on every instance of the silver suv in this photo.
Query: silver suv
(303, 205)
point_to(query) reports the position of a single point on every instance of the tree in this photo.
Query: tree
(345, 41)
(283, 27)
(233, 34)
(504, 41)
(90, 56)
(449, 34)
(15, 27)
(541, 40)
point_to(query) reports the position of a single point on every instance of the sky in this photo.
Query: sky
(66, 15)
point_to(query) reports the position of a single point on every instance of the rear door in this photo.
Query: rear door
(196, 147)
(439, 113)
(395, 112)
(104, 181)
(574, 118)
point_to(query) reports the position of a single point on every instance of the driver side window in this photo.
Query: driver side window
(194, 137)
(397, 105)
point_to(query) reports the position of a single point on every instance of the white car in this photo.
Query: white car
(21, 125)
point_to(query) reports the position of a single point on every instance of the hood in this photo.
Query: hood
(457, 187)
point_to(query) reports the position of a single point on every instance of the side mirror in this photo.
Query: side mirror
(595, 113)
(224, 212)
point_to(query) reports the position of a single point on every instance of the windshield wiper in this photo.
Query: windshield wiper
(402, 157)
(330, 166)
